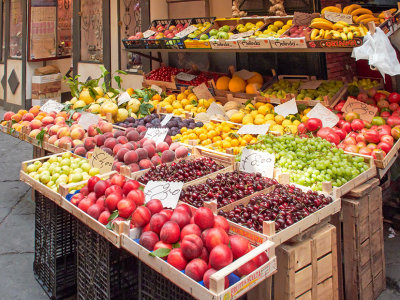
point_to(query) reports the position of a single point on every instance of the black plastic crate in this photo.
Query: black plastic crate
(104, 271)
(154, 286)
(133, 44)
(54, 264)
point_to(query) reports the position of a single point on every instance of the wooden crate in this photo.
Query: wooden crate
(364, 258)
(308, 269)
(195, 289)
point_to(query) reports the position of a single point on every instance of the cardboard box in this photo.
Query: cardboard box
(46, 85)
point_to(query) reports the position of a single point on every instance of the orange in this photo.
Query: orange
(130, 91)
(257, 78)
(216, 138)
(206, 142)
(156, 97)
(222, 83)
(237, 85)
(235, 143)
(247, 138)
(226, 144)
(211, 134)
(35, 110)
(202, 136)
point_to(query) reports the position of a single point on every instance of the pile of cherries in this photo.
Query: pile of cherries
(183, 170)
(226, 188)
(286, 205)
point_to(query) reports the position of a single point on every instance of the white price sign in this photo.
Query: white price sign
(202, 92)
(166, 119)
(328, 118)
(148, 33)
(241, 35)
(167, 192)
(253, 161)
(156, 88)
(186, 31)
(185, 77)
(253, 129)
(156, 134)
(287, 108)
(244, 74)
(88, 119)
(215, 109)
(310, 85)
(51, 106)
(123, 98)
(336, 17)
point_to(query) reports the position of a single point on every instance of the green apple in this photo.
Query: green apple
(59, 159)
(66, 155)
(52, 159)
(66, 162)
(31, 168)
(50, 184)
(85, 167)
(46, 165)
(86, 176)
(57, 170)
(192, 36)
(204, 37)
(65, 170)
(36, 177)
(213, 32)
(94, 172)
(55, 176)
(62, 179)
(74, 165)
(223, 35)
(44, 178)
(38, 164)
(33, 174)
(225, 28)
(75, 177)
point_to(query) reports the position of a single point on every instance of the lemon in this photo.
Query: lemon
(270, 117)
(304, 119)
(296, 122)
(290, 22)
(79, 104)
(278, 24)
(293, 128)
(247, 119)
(176, 104)
(204, 103)
(99, 91)
(279, 119)
(73, 100)
(263, 110)
(85, 96)
(270, 122)
(169, 108)
(286, 122)
(180, 97)
(260, 24)
(273, 28)
(259, 120)
(122, 115)
(94, 108)
(254, 113)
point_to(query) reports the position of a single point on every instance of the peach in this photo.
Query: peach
(176, 259)
(128, 146)
(133, 136)
(148, 240)
(48, 120)
(204, 218)
(25, 123)
(77, 133)
(35, 124)
(141, 129)
(72, 127)
(156, 160)
(110, 143)
(191, 246)
(131, 157)
(34, 133)
(181, 151)
(63, 131)
(151, 150)
(239, 245)
(260, 259)
(28, 117)
(7, 116)
(52, 114)
(190, 229)
(92, 130)
(134, 167)
(106, 127)
(16, 117)
(54, 129)
(59, 120)
(181, 218)
(76, 143)
(161, 147)
(141, 217)
(62, 114)
(117, 166)
(174, 146)
(64, 142)
(155, 206)
(207, 275)
(184, 208)
(119, 133)
(220, 257)
(170, 232)
(122, 139)
(145, 164)
(120, 154)
(168, 140)
(22, 112)
(157, 221)
(116, 148)
(215, 237)
(247, 268)
(89, 143)
(52, 139)
(196, 268)
(35, 110)
(204, 254)
(222, 223)
(76, 116)
(141, 153)
(149, 142)
(99, 140)
(108, 135)
(167, 156)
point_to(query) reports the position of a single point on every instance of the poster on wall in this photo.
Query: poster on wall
(15, 29)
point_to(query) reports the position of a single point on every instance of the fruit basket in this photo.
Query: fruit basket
(217, 280)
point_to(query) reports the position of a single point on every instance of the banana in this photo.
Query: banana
(337, 26)
(336, 35)
(373, 19)
(382, 14)
(348, 9)
(356, 33)
(345, 29)
(332, 9)
(363, 32)
(343, 36)
(321, 32)
(360, 11)
(320, 20)
(358, 19)
(350, 35)
(343, 23)
(328, 34)
(320, 23)
(314, 33)
(353, 28)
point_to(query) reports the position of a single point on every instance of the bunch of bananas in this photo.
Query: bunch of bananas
(324, 30)
(364, 15)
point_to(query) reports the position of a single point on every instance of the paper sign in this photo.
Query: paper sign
(167, 192)
(156, 134)
(328, 118)
(253, 161)
(123, 98)
(148, 33)
(156, 88)
(241, 35)
(310, 85)
(215, 109)
(202, 92)
(166, 119)
(51, 106)
(186, 31)
(101, 160)
(336, 17)
(185, 77)
(88, 119)
(244, 74)
(366, 112)
(287, 108)
(253, 129)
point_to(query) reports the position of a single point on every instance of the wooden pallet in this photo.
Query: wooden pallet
(216, 291)
(364, 258)
(308, 269)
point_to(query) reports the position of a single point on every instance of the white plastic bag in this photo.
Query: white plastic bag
(379, 52)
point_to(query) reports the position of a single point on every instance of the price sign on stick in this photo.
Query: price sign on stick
(287, 108)
(186, 31)
(167, 192)
(244, 74)
(253, 129)
(185, 77)
(336, 17)
(166, 119)
(366, 112)
(123, 98)
(215, 109)
(101, 160)
(328, 118)
(156, 88)
(310, 85)
(156, 134)
(202, 92)
(253, 161)
(51, 106)
(148, 33)
(88, 119)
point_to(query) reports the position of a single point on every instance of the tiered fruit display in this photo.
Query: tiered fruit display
(161, 31)
(237, 85)
(200, 248)
(183, 170)
(225, 188)
(62, 169)
(311, 161)
(286, 205)
(222, 33)
(276, 29)
(132, 149)
(325, 30)
(174, 125)
(199, 33)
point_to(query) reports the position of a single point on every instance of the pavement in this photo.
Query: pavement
(17, 231)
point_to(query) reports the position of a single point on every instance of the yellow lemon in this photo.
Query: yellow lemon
(169, 108)
(181, 96)
(254, 113)
(247, 119)
(184, 102)
(259, 121)
(176, 104)
(270, 117)
(204, 103)
(270, 122)
(279, 119)
(278, 24)
(262, 109)
(286, 122)
(293, 129)
(304, 119)
(296, 122)
(258, 105)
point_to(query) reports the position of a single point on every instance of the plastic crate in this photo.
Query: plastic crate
(54, 264)
(154, 286)
(133, 44)
(104, 271)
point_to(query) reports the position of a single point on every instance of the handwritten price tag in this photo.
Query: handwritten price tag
(167, 192)
(148, 33)
(244, 74)
(88, 119)
(186, 31)
(123, 98)
(166, 119)
(156, 134)
(241, 35)
(336, 17)
(51, 106)
(101, 160)
(254, 129)
(215, 109)
(287, 108)
(328, 118)
(202, 92)
(253, 161)
(310, 85)
(366, 112)
(156, 88)
(185, 77)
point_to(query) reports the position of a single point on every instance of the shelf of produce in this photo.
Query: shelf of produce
(216, 291)
(269, 50)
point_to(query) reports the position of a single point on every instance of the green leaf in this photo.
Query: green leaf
(141, 188)
(144, 108)
(121, 72)
(194, 103)
(118, 81)
(247, 102)
(109, 225)
(92, 92)
(40, 136)
(160, 252)
(98, 130)
(113, 216)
